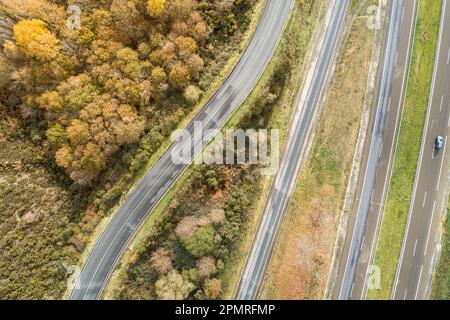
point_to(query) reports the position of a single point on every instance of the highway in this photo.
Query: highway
(379, 152)
(414, 270)
(144, 198)
(285, 179)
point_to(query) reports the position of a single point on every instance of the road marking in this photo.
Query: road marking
(418, 283)
(448, 58)
(442, 102)
(425, 199)
(429, 228)
(415, 248)
(406, 293)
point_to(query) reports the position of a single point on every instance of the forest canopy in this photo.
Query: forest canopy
(85, 93)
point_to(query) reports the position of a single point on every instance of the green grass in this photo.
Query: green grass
(408, 147)
(441, 285)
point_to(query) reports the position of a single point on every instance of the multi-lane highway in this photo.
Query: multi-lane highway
(379, 152)
(139, 204)
(415, 265)
(284, 181)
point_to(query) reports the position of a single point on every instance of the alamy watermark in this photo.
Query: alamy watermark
(374, 21)
(374, 278)
(234, 147)
(73, 21)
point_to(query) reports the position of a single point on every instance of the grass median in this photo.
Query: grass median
(408, 146)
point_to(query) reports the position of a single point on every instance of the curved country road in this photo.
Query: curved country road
(138, 206)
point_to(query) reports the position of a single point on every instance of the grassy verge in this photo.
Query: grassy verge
(292, 49)
(408, 147)
(301, 258)
(441, 283)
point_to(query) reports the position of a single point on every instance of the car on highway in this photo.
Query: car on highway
(439, 143)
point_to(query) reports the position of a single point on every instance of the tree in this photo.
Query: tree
(173, 287)
(195, 65)
(200, 31)
(64, 157)
(202, 243)
(35, 40)
(128, 63)
(186, 46)
(130, 23)
(179, 77)
(213, 288)
(192, 94)
(206, 266)
(51, 101)
(78, 132)
(187, 227)
(103, 126)
(155, 7)
(180, 9)
(161, 260)
(56, 134)
(217, 216)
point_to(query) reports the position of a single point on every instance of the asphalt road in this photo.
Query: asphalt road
(373, 182)
(138, 206)
(285, 179)
(415, 265)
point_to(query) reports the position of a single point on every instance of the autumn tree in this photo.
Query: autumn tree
(173, 287)
(187, 227)
(192, 94)
(206, 266)
(213, 288)
(155, 7)
(217, 216)
(103, 127)
(35, 40)
(161, 260)
(179, 76)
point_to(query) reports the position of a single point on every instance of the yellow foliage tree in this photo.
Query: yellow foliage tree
(35, 39)
(156, 7)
